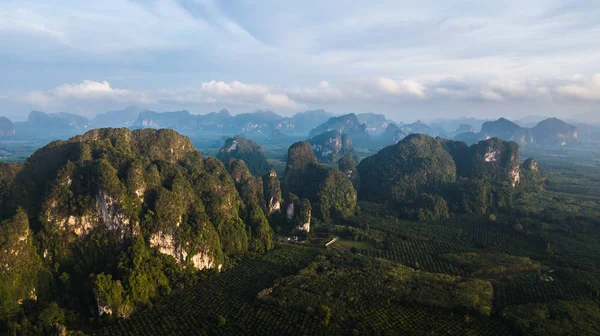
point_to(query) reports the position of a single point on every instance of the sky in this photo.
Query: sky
(406, 59)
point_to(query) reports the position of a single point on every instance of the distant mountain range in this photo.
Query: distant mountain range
(551, 131)
(40, 124)
(367, 130)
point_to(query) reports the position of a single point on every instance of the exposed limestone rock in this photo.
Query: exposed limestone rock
(305, 226)
(232, 147)
(492, 155)
(331, 146)
(110, 217)
(103, 309)
(274, 205)
(202, 261)
(515, 171)
(290, 211)
(106, 213)
(299, 212)
(166, 245)
(272, 192)
(169, 245)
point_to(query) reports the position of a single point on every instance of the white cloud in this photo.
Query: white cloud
(587, 89)
(277, 100)
(86, 92)
(369, 91)
(387, 87)
(94, 91)
(494, 90)
(234, 93)
(38, 98)
(491, 95)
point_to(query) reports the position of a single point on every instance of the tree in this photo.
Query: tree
(325, 314)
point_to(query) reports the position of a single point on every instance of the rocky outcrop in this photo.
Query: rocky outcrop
(107, 213)
(298, 213)
(497, 161)
(242, 148)
(103, 309)
(167, 244)
(272, 192)
(330, 146)
(346, 124)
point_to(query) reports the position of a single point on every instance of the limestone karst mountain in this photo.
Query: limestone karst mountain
(242, 148)
(330, 146)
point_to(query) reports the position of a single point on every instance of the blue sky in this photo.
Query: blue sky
(407, 59)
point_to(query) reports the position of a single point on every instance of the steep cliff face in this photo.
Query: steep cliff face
(330, 146)
(496, 160)
(272, 192)
(298, 213)
(170, 244)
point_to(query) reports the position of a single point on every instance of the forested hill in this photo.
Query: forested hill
(123, 217)
(427, 178)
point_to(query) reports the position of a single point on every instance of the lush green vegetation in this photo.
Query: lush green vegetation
(428, 178)
(330, 191)
(120, 218)
(136, 233)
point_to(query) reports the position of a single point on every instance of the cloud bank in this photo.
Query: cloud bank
(345, 56)
(375, 90)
